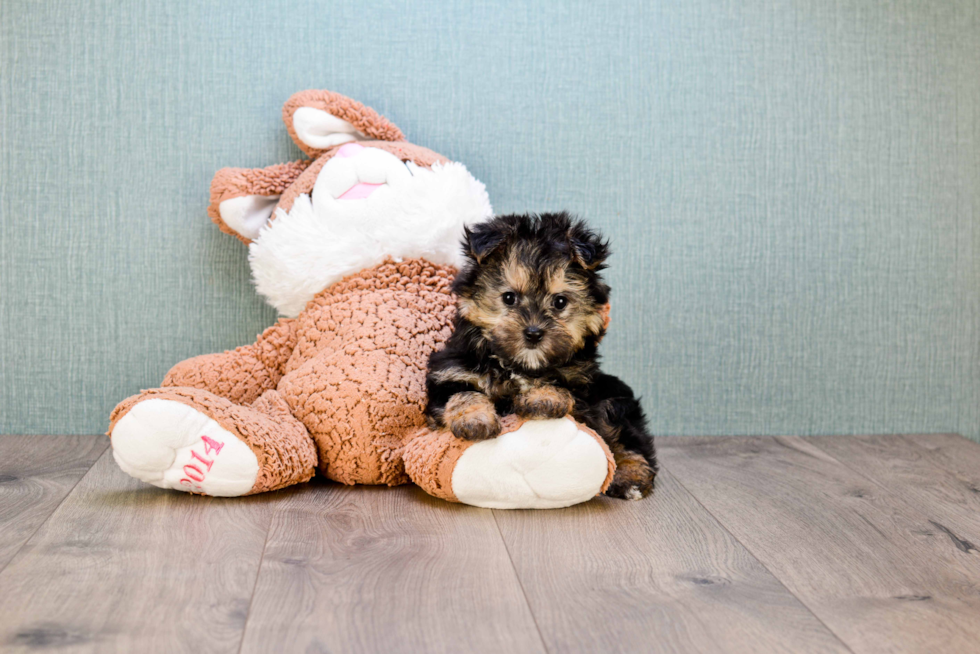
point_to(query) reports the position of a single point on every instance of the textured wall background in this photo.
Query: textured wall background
(792, 187)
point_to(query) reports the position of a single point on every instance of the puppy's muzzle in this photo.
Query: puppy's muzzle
(533, 335)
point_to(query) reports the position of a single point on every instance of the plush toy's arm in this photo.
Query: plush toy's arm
(538, 464)
(243, 374)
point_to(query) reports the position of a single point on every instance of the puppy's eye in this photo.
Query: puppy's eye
(510, 298)
(560, 302)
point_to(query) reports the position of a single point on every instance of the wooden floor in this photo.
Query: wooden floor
(834, 544)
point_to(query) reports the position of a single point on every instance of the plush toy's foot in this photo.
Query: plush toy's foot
(539, 464)
(172, 445)
(194, 441)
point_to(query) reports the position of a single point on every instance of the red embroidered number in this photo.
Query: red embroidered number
(194, 472)
(200, 475)
(211, 444)
(202, 460)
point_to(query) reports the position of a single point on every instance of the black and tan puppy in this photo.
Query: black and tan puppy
(530, 313)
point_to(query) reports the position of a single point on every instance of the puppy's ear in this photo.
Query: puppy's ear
(590, 249)
(481, 241)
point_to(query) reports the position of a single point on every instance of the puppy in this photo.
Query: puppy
(531, 309)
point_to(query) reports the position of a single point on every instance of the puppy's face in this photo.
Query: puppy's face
(533, 290)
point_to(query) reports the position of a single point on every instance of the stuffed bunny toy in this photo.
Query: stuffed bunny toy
(356, 247)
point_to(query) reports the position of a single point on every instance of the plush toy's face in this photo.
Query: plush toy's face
(356, 172)
(358, 180)
(367, 196)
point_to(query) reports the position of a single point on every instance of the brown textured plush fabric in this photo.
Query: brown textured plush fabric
(229, 183)
(281, 443)
(357, 373)
(348, 373)
(365, 119)
(430, 458)
(243, 374)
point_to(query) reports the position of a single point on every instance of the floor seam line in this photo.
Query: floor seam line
(55, 510)
(721, 524)
(520, 582)
(255, 586)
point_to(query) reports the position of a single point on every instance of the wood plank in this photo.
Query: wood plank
(659, 575)
(122, 566)
(955, 454)
(871, 567)
(367, 569)
(942, 483)
(36, 473)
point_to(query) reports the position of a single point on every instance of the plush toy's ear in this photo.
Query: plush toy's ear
(243, 199)
(318, 120)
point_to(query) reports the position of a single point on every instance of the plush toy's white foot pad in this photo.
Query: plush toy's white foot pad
(172, 445)
(545, 464)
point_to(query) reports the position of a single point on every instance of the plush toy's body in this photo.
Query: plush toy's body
(360, 244)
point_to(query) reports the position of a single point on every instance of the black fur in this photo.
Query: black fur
(485, 354)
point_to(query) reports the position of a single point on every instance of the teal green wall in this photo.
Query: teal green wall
(792, 188)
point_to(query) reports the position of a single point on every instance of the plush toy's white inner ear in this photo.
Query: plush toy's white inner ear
(248, 214)
(320, 130)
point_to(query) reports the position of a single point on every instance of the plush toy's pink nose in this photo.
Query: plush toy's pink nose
(349, 150)
(359, 190)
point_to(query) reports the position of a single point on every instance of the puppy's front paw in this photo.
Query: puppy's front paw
(544, 403)
(471, 416)
(633, 479)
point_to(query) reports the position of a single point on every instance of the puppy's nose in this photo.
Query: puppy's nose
(533, 334)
